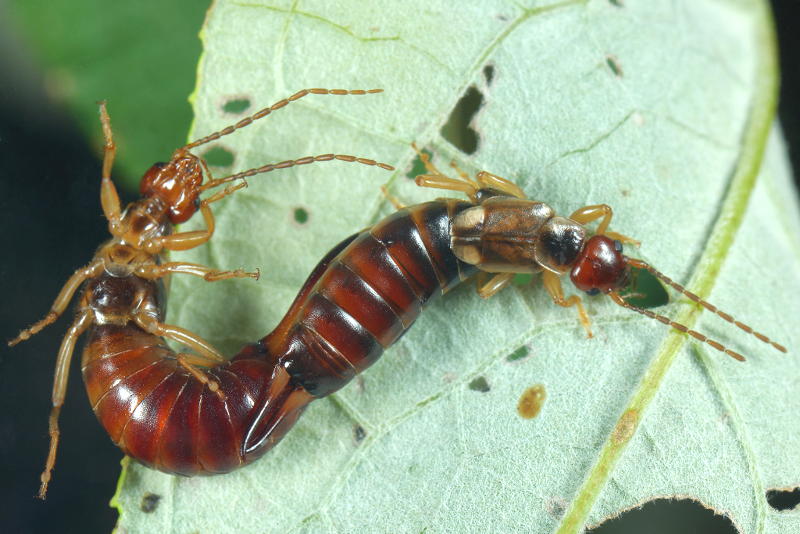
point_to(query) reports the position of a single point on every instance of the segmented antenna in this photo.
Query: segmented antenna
(707, 305)
(276, 106)
(677, 326)
(293, 163)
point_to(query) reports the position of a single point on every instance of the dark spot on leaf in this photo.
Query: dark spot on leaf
(359, 433)
(518, 354)
(488, 73)
(617, 3)
(531, 401)
(556, 506)
(614, 65)
(236, 105)
(479, 384)
(784, 499)
(149, 502)
(645, 290)
(458, 130)
(218, 157)
(667, 516)
(300, 215)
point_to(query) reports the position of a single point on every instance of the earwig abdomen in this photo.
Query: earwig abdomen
(366, 294)
(158, 412)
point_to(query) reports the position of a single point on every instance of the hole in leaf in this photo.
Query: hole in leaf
(236, 105)
(531, 401)
(300, 215)
(218, 157)
(614, 65)
(488, 73)
(519, 354)
(480, 384)
(149, 502)
(457, 130)
(783, 499)
(663, 516)
(647, 291)
(359, 434)
(417, 167)
(522, 279)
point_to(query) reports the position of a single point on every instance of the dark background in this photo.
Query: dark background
(50, 222)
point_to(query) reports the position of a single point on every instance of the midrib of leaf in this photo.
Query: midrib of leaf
(756, 134)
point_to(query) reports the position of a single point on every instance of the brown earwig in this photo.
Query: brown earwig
(183, 413)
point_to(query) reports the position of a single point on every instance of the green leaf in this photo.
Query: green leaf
(140, 57)
(662, 110)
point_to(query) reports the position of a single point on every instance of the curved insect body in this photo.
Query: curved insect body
(185, 413)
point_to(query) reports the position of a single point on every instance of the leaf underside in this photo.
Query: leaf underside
(660, 109)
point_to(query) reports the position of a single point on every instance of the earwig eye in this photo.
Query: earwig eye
(618, 245)
(592, 292)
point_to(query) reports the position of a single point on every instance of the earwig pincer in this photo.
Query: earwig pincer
(185, 413)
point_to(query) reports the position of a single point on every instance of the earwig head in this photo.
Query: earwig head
(601, 267)
(177, 183)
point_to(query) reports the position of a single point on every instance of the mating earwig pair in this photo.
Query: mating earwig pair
(202, 414)
(145, 395)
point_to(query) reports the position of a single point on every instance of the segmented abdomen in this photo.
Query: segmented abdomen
(366, 294)
(160, 414)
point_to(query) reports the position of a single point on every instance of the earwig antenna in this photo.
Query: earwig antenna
(293, 163)
(707, 305)
(276, 106)
(677, 326)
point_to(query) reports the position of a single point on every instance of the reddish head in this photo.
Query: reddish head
(600, 267)
(177, 183)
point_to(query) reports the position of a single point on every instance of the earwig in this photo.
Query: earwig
(185, 413)
(368, 290)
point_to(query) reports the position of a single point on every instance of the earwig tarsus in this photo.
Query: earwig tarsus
(183, 413)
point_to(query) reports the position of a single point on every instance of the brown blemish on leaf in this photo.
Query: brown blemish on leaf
(531, 401)
(625, 427)
(149, 502)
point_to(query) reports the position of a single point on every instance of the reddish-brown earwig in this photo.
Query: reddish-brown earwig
(183, 413)
(371, 287)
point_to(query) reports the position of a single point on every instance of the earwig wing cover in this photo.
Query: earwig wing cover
(662, 110)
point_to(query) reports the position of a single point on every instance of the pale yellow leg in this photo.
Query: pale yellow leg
(391, 198)
(109, 198)
(487, 179)
(149, 324)
(552, 284)
(62, 300)
(185, 361)
(587, 214)
(154, 271)
(491, 286)
(63, 360)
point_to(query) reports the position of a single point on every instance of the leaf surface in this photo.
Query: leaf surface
(662, 110)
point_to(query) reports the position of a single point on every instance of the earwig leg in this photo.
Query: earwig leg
(391, 198)
(61, 302)
(176, 333)
(109, 198)
(463, 174)
(153, 271)
(81, 323)
(623, 238)
(185, 240)
(437, 181)
(491, 286)
(199, 374)
(487, 179)
(552, 284)
(426, 160)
